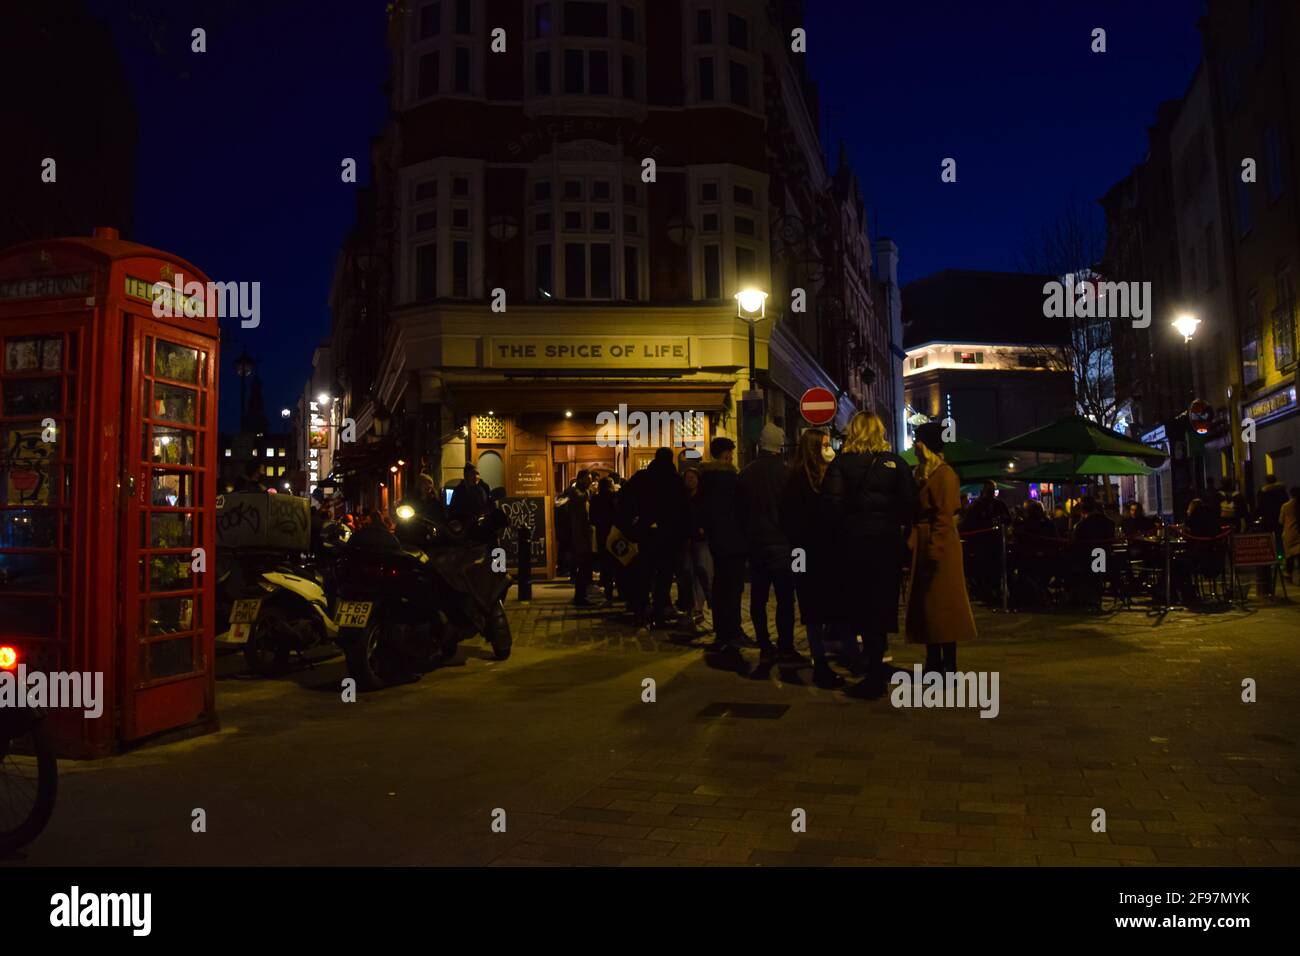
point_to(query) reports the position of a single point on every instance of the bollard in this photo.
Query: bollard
(524, 565)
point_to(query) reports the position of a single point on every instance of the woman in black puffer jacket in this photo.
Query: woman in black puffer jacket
(872, 496)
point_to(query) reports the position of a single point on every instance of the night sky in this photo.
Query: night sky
(240, 147)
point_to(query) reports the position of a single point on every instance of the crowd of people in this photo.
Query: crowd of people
(824, 537)
(1057, 550)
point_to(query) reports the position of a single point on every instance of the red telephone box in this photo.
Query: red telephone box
(108, 476)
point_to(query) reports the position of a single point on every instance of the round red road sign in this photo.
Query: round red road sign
(1200, 414)
(818, 406)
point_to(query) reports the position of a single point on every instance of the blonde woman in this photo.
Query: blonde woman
(938, 608)
(872, 496)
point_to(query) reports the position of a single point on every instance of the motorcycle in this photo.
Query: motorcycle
(29, 772)
(295, 610)
(405, 607)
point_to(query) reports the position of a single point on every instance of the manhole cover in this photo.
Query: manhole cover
(745, 711)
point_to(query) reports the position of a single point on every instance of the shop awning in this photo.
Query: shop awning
(533, 396)
(365, 458)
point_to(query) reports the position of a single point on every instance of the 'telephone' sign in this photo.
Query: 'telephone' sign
(588, 351)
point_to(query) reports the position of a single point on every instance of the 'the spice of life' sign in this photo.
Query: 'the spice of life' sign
(587, 351)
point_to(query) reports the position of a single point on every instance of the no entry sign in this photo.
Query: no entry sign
(818, 406)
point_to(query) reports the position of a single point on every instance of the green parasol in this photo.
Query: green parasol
(1079, 436)
(1083, 466)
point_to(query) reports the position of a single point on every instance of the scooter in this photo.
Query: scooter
(290, 609)
(404, 608)
(29, 772)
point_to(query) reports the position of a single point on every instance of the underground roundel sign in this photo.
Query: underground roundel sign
(818, 406)
(1200, 414)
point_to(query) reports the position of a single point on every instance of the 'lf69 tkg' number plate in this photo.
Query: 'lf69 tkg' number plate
(354, 613)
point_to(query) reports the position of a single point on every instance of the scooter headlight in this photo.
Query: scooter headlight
(405, 512)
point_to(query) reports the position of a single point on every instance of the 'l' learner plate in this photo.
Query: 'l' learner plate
(354, 613)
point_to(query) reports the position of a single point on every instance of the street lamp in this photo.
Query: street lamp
(323, 398)
(1185, 324)
(751, 305)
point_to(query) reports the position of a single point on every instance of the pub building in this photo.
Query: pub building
(561, 230)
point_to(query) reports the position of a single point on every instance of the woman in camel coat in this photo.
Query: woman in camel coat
(938, 608)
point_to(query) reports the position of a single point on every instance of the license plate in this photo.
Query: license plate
(354, 613)
(245, 612)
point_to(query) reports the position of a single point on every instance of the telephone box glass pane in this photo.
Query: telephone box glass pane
(176, 362)
(29, 478)
(165, 572)
(170, 614)
(28, 528)
(170, 446)
(33, 617)
(30, 572)
(33, 396)
(174, 404)
(170, 531)
(27, 355)
(171, 489)
(167, 658)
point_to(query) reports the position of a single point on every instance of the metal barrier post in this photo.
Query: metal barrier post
(1005, 596)
(1164, 536)
(524, 565)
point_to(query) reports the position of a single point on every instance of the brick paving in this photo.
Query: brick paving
(1138, 716)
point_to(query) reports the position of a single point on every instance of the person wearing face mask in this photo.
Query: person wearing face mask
(872, 497)
(808, 526)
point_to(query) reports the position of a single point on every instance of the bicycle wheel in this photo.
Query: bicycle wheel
(29, 779)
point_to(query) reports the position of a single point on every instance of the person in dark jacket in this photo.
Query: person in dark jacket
(727, 542)
(1268, 505)
(578, 516)
(470, 499)
(981, 543)
(873, 496)
(809, 528)
(761, 484)
(603, 510)
(695, 567)
(659, 502)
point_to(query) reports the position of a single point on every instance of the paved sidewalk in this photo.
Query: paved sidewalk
(1139, 717)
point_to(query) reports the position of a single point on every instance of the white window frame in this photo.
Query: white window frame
(443, 170)
(728, 177)
(445, 44)
(723, 54)
(612, 45)
(618, 176)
